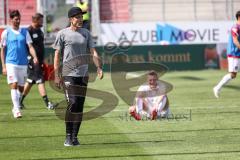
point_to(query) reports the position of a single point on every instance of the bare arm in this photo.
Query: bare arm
(33, 53)
(56, 61)
(97, 62)
(57, 77)
(4, 70)
(236, 42)
(96, 58)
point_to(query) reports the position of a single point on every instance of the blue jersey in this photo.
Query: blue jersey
(16, 48)
(233, 50)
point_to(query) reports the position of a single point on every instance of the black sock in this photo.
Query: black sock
(45, 98)
(76, 126)
(69, 128)
(21, 98)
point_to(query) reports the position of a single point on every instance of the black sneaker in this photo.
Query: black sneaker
(68, 141)
(75, 141)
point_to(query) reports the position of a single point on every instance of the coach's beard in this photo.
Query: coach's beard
(79, 25)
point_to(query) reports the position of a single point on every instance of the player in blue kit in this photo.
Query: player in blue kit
(15, 43)
(233, 53)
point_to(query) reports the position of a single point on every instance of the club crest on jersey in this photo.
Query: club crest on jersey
(11, 78)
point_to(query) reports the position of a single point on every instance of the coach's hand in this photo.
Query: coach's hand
(58, 82)
(100, 73)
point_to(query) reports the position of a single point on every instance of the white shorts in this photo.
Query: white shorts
(233, 64)
(16, 73)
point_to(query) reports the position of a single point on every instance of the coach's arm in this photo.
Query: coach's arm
(97, 62)
(33, 53)
(56, 62)
(236, 42)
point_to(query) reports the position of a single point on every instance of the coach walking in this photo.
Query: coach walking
(71, 45)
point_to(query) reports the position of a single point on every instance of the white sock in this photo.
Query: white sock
(161, 105)
(224, 81)
(139, 105)
(165, 113)
(18, 93)
(15, 99)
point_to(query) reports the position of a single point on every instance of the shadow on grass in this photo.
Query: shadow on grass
(232, 87)
(135, 142)
(191, 78)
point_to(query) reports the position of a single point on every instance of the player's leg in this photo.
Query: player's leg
(27, 86)
(139, 105)
(162, 104)
(21, 74)
(132, 109)
(21, 84)
(233, 68)
(140, 109)
(43, 93)
(15, 100)
(133, 112)
(12, 79)
(20, 90)
(26, 90)
(160, 109)
(137, 109)
(157, 109)
(147, 107)
(39, 78)
(163, 108)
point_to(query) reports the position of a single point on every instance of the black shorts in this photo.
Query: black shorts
(35, 74)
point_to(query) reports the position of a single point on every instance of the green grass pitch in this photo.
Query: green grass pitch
(210, 128)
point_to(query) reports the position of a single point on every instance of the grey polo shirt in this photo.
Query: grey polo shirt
(74, 48)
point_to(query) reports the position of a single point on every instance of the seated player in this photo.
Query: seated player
(151, 99)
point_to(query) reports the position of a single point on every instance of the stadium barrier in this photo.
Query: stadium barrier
(175, 57)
